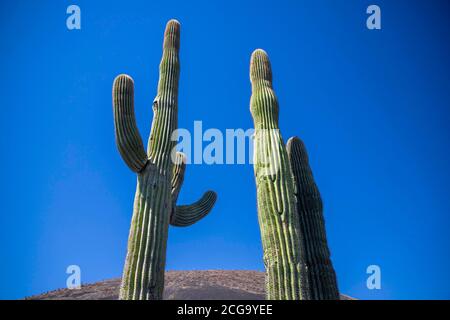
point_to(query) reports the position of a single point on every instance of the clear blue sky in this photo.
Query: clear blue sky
(371, 106)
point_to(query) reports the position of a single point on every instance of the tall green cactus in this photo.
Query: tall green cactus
(159, 176)
(319, 269)
(277, 213)
(296, 254)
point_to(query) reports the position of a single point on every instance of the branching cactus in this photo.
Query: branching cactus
(160, 174)
(319, 269)
(277, 212)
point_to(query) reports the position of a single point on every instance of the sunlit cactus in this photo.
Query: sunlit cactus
(160, 175)
(319, 269)
(296, 254)
(277, 212)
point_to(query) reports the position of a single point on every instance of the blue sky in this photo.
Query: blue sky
(371, 106)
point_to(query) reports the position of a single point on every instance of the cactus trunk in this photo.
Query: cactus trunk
(159, 176)
(289, 203)
(320, 272)
(143, 277)
(277, 213)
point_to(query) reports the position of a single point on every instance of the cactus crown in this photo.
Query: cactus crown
(263, 103)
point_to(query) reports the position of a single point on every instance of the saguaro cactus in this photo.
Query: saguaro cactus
(319, 269)
(296, 254)
(277, 213)
(159, 176)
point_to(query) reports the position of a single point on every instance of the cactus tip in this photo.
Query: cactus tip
(174, 22)
(173, 27)
(260, 68)
(259, 52)
(172, 35)
(180, 158)
(125, 77)
(296, 147)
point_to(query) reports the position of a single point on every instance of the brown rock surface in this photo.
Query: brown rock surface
(180, 285)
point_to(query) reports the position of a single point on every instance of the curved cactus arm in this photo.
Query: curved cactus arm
(178, 175)
(128, 139)
(186, 215)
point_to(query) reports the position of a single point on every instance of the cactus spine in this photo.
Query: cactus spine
(159, 176)
(277, 213)
(319, 269)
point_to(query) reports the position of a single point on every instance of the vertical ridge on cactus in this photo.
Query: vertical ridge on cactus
(319, 268)
(159, 179)
(277, 213)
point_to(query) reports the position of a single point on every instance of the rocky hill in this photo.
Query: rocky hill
(179, 285)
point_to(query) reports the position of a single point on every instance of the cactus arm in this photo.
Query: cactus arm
(127, 135)
(186, 215)
(178, 171)
(320, 272)
(277, 215)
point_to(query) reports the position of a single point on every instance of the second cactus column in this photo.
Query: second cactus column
(296, 254)
(277, 212)
(319, 268)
